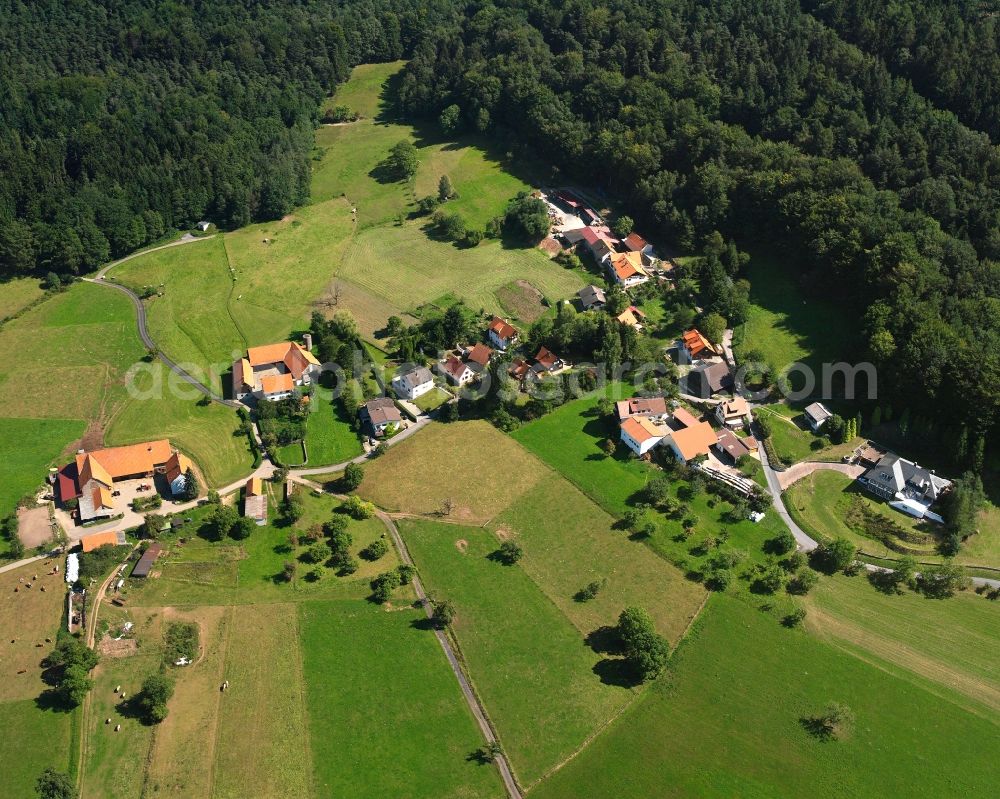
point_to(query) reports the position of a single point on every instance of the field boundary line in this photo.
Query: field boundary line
(232, 289)
(637, 695)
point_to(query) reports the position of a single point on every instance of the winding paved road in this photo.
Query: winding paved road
(804, 540)
(140, 311)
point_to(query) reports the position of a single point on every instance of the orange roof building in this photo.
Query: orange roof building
(479, 354)
(690, 442)
(95, 540)
(697, 346)
(626, 269)
(501, 333)
(273, 370)
(632, 317)
(640, 434)
(98, 470)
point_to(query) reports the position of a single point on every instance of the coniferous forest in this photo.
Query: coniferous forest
(856, 138)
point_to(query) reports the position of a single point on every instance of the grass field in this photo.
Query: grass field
(291, 454)
(208, 433)
(386, 717)
(435, 268)
(362, 92)
(434, 398)
(262, 743)
(37, 736)
(794, 442)
(18, 294)
(820, 502)
(183, 748)
(87, 340)
(24, 468)
(786, 325)
(418, 474)
(115, 762)
(323, 696)
(189, 321)
(569, 542)
(727, 723)
(508, 629)
(950, 642)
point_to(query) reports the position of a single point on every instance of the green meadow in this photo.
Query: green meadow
(728, 721)
(544, 689)
(386, 716)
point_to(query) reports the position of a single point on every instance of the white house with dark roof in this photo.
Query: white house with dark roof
(905, 485)
(413, 382)
(380, 413)
(817, 415)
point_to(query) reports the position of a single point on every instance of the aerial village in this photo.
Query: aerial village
(706, 424)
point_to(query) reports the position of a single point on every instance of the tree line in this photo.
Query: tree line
(755, 121)
(122, 122)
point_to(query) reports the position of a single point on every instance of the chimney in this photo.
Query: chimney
(307, 340)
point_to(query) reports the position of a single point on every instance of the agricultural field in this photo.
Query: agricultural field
(569, 542)
(419, 474)
(507, 629)
(17, 294)
(23, 468)
(281, 728)
(569, 439)
(393, 720)
(435, 268)
(729, 721)
(43, 730)
(950, 642)
(87, 340)
(262, 743)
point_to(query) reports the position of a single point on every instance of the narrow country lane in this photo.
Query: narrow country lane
(470, 696)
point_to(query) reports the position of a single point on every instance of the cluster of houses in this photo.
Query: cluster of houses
(97, 484)
(648, 422)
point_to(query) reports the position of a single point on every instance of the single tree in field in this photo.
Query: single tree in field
(445, 190)
(52, 784)
(443, 614)
(610, 446)
(510, 552)
(450, 119)
(156, 692)
(353, 475)
(403, 162)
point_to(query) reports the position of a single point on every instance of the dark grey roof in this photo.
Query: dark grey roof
(591, 295)
(897, 475)
(416, 375)
(708, 380)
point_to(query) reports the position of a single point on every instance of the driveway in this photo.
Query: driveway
(795, 473)
(806, 543)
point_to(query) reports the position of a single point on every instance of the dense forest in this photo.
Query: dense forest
(122, 120)
(949, 49)
(752, 118)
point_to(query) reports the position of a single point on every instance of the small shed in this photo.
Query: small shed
(145, 563)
